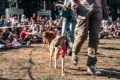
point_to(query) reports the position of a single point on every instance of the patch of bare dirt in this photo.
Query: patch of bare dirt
(33, 63)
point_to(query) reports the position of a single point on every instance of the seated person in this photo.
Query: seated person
(2, 21)
(37, 34)
(5, 42)
(14, 39)
(25, 36)
(24, 20)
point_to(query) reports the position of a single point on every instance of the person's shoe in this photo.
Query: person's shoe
(93, 70)
(75, 60)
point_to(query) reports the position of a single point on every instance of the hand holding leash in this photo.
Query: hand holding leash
(61, 6)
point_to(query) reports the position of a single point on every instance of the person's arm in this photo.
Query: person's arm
(74, 4)
(29, 33)
(104, 9)
(73, 1)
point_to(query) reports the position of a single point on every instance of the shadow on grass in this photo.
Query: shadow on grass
(78, 69)
(111, 73)
(10, 79)
(30, 73)
(110, 48)
(109, 43)
(107, 56)
(12, 49)
(31, 64)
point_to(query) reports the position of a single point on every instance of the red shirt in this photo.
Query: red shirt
(23, 34)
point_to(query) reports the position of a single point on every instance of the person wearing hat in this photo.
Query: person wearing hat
(24, 20)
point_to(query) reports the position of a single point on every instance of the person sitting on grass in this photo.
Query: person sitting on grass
(5, 42)
(25, 36)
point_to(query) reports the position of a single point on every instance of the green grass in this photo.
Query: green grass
(117, 61)
(1, 54)
(2, 59)
(53, 77)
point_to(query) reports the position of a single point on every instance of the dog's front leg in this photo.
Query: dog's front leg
(48, 43)
(43, 43)
(56, 55)
(51, 56)
(62, 66)
(50, 64)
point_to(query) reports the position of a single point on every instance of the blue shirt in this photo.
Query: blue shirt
(1, 23)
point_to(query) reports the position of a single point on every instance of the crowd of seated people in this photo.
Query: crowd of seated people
(110, 30)
(16, 33)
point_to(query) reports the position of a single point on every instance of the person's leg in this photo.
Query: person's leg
(72, 29)
(71, 37)
(65, 25)
(81, 31)
(94, 27)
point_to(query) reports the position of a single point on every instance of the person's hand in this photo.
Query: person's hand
(74, 6)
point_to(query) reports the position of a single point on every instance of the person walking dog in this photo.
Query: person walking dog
(89, 16)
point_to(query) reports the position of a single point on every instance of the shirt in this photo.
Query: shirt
(1, 23)
(23, 34)
(97, 3)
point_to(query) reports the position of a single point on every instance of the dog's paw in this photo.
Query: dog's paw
(63, 74)
(50, 66)
(55, 67)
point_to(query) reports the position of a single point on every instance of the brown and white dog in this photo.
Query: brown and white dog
(47, 37)
(57, 48)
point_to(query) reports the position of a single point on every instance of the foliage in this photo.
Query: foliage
(52, 77)
(114, 8)
(34, 5)
(31, 6)
(117, 60)
(12, 3)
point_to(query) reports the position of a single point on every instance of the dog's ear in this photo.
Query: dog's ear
(58, 39)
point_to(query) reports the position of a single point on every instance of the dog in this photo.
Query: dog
(57, 48)
(47, 37)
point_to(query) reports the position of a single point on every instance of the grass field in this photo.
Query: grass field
(33, 63)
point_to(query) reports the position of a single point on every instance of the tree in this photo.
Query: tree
(31, 6)
(114, 8)
(12, 3)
